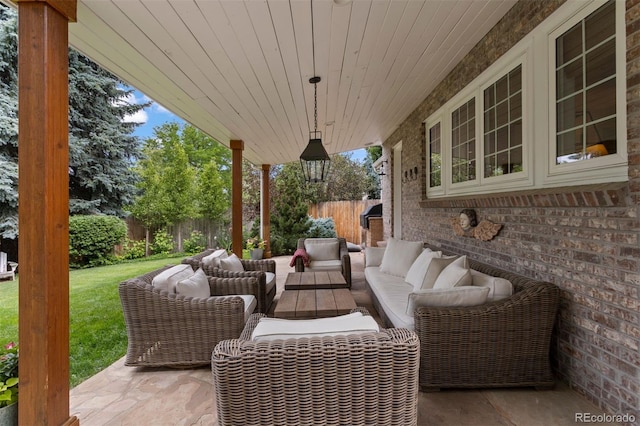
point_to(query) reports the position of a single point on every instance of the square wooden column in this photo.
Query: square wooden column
(44, 210)
(237, 146)
(265, 216)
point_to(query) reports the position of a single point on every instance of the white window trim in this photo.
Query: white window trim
(538, 114)
(436, 118)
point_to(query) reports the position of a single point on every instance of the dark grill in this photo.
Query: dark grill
(372, 211)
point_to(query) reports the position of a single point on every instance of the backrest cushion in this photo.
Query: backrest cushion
(399, 255)
(456, 296)
(419, 268)
(196, 285)
(231, 263)
(213, 260)
(322, 248)
(373, 256)
(434, 268)
(454, 275)
(499, 288)
(167, 280)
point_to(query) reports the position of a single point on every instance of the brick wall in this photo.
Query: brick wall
(584, 239)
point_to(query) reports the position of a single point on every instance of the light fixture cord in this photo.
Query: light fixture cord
(315, 85)
(315, 107)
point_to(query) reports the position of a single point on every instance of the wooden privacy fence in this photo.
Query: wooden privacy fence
(182, 231)
(346, 216)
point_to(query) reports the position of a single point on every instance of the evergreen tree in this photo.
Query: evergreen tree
(101, 147)
(289, 218)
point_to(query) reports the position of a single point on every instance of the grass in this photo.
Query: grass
(97, 332)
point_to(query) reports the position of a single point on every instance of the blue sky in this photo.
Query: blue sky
(156, 115)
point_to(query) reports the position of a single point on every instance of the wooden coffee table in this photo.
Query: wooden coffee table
(314, 303)
(315, 280)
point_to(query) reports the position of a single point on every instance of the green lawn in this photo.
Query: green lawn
(97, 332)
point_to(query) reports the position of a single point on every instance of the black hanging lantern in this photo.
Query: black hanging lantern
(314, 159)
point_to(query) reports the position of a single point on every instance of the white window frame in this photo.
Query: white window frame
(536, 54)
(432, 121)
(610, 167)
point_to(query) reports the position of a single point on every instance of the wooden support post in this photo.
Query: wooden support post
(265, 217)
(44, 211)
(237, 146)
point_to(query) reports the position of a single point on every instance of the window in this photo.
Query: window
(463, 143)
(503, 125)
(586, 88)
(435, 156)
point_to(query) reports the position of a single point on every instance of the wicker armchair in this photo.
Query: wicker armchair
(171, 330)
(343, 256)
(356, 379)
(498, 344)
(252, 269)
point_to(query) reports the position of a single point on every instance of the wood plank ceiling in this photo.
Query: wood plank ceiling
(240, 69)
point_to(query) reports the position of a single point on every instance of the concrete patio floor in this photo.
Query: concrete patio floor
(122, 395)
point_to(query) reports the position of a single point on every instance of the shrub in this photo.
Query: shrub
(93, 238)
(162, 243)
(322, 228)
(195, 243)
(133, 249)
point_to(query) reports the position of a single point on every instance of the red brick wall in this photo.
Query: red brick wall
(584, 239)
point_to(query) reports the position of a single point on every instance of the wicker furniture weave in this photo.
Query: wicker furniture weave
(344, 256)
(498, 344)
(171, 330)
(252, 269)
(354, 380)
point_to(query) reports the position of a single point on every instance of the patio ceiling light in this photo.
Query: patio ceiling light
(314, 159)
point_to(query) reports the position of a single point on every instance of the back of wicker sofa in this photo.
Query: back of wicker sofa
(171, 330)
(368, 379)
(505, 343)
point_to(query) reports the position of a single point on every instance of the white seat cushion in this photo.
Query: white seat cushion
(271, 281)
(272, 329)
(213, 260)
(322, 248)
(324, 265)
(197, 285)
(456, 296)
(392, 293)
(399, 255)
(167, 280)
(250, 304)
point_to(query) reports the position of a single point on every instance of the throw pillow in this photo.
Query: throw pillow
(435, 267)
(213, 260)
(196, 285)
(167, 280)
(454, 275)
(457, 296)
(231, 263)
(399, 255)
(418, 270)
(499, 288)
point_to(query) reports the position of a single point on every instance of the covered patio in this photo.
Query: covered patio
(410, 76)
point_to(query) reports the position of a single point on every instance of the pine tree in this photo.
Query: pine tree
(289, 217)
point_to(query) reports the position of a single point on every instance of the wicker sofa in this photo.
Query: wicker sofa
(255, 270)
(504, 343)
(172, 330)
(363, 379)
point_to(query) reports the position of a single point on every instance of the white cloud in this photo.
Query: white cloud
(139, 117)
(131, 99)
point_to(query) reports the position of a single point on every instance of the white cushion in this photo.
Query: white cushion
(231, 263)
(434, 268)
(457, 296)
(250, 304)
(167, 280)
(418, 270)
(399, 255)
(322, 248)
(392, 293)
(499, 288)
(213, 260)
(272, 329)
(456, 274)
(324, 265)
(373, 256)
(197, 285)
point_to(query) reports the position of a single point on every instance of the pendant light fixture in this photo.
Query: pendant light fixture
(314, 159)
